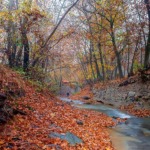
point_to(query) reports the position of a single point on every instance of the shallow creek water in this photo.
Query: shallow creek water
(134, 135)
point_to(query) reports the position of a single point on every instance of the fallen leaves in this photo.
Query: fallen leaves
(2, 142)
(46, 114)
(131, 108)
(86, 91)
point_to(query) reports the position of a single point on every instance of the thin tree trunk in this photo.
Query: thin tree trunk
(117, 54)
(9, 46)
(26, 51)
(18, 57)
(99, 77)
(134, 55)
(147, 49)
(101, 60)
(14, 46)
(25, 44)
(91, 64)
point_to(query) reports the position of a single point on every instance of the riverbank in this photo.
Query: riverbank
(130, 94)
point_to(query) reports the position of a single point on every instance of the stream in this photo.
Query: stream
(134, 135)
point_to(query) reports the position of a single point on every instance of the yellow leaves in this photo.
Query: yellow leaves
(45, 147)
(108, 148)
(21, 120)
(34, 5)
(4, 15)
(26, 6)
(2, 142)
(52, 114)
(84, 149)
(1, 31)
(31, 8)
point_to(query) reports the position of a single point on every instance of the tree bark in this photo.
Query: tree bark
(117, 54)
(55, 28)
(26, 52)
(91, 62)
(9, 44)
(147, 49)
(25, 44)
(101, 60)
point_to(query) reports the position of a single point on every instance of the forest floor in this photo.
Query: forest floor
(40, 114)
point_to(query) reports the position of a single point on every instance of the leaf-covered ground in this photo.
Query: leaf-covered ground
(46, 114)
(131, 108)
(86, 91)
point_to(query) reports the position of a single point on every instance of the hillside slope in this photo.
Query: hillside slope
(39, 114)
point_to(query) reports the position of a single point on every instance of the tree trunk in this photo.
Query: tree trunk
(14, 46)
(9, 46)
(101, 60)
(147, 49)
(10, 35)
(18, 57)
(99, 77)
(91, 64)
(26, 52)
(25, 44)
(117, 54)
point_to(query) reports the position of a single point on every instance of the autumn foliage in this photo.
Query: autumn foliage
(46, 114)
(82, 41)
(86, 91)
(136, 112)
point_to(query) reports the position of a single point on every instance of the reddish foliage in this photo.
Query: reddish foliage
(84, 92)
(137, 112)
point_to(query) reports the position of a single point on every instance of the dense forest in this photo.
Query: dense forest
(82, 40)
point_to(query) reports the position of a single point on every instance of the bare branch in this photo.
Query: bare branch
(54, 30)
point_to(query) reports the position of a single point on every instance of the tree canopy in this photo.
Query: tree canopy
(77, 40)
